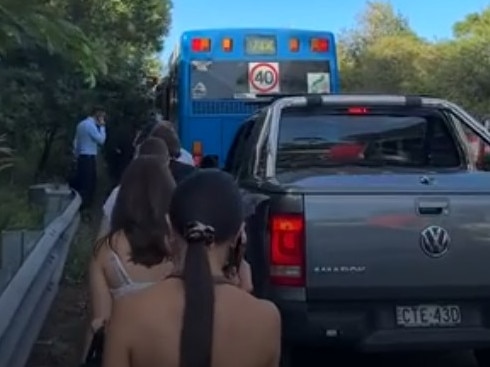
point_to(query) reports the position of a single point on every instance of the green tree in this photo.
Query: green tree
(61, 57)
(474, 25)
(32, 24)
(378, 20)
(392, 64)
(379, 54)
(384, 55)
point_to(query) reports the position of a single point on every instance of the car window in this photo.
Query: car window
(236, 149)
(478, 149)
(249, 149)
(375, 138)
(230, 157)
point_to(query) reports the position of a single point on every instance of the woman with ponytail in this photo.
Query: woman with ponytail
(198, 317)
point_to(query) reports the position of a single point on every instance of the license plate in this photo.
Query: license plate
(428, 315)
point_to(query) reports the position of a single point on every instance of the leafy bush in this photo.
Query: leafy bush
(15, 211)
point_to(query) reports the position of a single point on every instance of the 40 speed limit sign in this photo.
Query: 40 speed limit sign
(263, 77)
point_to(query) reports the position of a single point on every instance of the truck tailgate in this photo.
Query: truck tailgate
(406, 243)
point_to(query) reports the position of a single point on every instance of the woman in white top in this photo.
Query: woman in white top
(134, 254)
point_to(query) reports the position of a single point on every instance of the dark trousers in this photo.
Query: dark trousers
(86, 179)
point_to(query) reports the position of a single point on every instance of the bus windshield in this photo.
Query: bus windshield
(236, 79)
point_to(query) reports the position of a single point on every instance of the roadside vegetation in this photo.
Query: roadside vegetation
(57, 59)
(384, 54)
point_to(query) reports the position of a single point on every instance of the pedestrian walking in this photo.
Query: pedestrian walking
(179, 169)
(157, 120)
(134, 254)
(185, 156)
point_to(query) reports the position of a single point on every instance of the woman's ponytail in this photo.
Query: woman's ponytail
(197, 328)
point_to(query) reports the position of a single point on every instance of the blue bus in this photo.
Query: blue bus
(215, 74)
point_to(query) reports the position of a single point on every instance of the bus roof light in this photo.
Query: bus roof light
(319, 45)
(294, 45)
(201, 44)
(227, 44)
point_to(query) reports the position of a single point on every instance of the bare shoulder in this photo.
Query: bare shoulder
(263, 310)
(270, 313)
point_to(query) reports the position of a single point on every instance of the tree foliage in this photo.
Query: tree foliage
(60, 57)
(383, 54)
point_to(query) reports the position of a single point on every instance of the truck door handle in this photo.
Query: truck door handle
(432, 207)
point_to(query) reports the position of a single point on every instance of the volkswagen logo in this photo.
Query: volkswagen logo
(434, 241)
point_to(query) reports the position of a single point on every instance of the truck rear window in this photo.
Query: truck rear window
(326, 139)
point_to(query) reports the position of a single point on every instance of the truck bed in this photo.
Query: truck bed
(364, 235)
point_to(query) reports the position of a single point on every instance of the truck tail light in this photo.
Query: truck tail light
(197, 152)
(287, 250)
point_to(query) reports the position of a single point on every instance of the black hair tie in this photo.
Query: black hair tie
(197, 232)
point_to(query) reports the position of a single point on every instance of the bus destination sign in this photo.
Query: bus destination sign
(260, 45)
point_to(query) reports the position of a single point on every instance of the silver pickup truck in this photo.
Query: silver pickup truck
(371, 224)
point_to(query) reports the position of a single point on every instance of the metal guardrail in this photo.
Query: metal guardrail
(30, 290)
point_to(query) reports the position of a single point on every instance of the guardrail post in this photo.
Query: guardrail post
(15, 246)
(27, 297)
(53, 198)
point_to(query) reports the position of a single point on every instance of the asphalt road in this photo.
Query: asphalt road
(325, 358)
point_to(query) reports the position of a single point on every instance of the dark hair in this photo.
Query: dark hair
(168, 124)
(96, 110)
(154, 147)
(197, 217)
(141, 208)
(167, 134)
